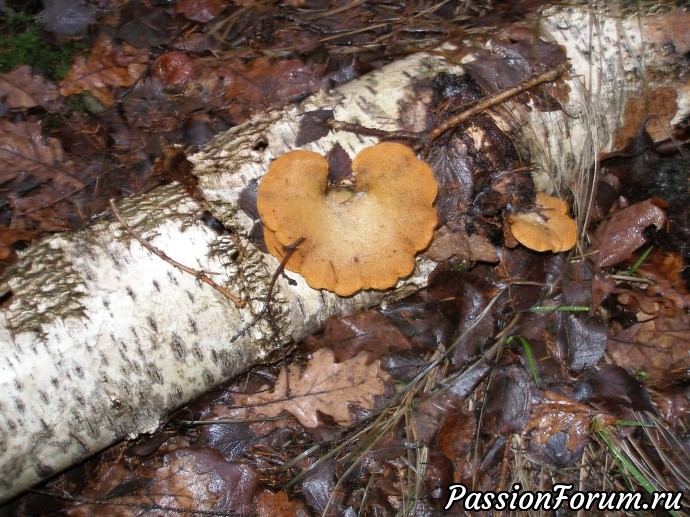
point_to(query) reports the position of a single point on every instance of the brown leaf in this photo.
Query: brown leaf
(560, 429)
(200, 10)
(448, 243)
(658, 346)
(242, 88)
(323, 386)
(622, 233)
(279, 505)
(202, 480)
(22, 89)
(174, 68)
(613, 383)
(366, 331)
(108, 67)
(24, 150)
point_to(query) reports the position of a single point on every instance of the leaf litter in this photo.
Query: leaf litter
(388, 407)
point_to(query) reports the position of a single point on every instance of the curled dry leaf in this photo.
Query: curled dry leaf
(364, 238)
(108, 66)
(620, 235)
(547, 228)
(324, 386)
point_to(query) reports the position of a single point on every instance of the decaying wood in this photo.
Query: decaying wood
(100, 338)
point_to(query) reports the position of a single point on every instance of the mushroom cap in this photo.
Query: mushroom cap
(547, 228)
(364, 238)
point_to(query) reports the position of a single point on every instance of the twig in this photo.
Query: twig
(423, 139)
(196, 273)
(289, 250)
(497, 98)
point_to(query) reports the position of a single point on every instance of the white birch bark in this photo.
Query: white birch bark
(100, 339)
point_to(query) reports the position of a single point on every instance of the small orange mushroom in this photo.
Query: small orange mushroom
(360, 238)
(547, 228)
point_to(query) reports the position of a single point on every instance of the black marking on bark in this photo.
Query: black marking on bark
(193, 325)
(131, 294)
(156, 286)
(152, 323)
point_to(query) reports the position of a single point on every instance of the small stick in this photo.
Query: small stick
(196, 273)
(498, 98)
(289, 250)
(423, 139)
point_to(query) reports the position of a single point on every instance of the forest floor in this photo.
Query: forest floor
(546, 369)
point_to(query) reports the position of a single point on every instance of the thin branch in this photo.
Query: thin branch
(497, 98)
(289, 250)
(423, 139)
(196, 273)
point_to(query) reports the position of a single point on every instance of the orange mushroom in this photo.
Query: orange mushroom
(547, 228)
(360, 238)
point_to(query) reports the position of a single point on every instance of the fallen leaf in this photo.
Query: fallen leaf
(366, 331)
(324, 386)
(22, 89)
(466, 247)
(201, 480)
(613, 383)
(658, 346)
(278, 504)
(174, 68)
(24, 150)
(109, 66)
(560, 429)
(620, 235)
(508, 401)
(200, 10)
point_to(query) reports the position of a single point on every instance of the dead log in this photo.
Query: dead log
(100, 338)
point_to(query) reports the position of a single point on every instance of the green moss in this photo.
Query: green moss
(21, 43)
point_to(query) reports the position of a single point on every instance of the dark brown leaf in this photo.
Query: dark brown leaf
(278, 504)
(621, 234)
(508, 400)
(614, 384)
(200, 10)
(312, 126)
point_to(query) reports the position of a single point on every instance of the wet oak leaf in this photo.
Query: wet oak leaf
(22, 89)
(25, 150)
(108, 67)
(323, 386)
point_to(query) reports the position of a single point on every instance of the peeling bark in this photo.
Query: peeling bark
(100, 339)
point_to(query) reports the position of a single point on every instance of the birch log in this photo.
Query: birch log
(100, 339)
